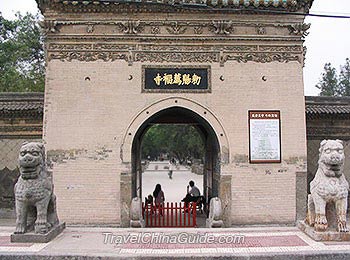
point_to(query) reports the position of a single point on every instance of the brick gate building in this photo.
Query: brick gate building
(234, 68)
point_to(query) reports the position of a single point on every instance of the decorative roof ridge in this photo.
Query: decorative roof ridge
(194, 5)
(21, 96)
(323, 100)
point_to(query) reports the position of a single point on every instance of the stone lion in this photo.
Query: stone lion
(329, 186)
(35, 201)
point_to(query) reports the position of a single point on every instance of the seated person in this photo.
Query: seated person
(149, 203)
(149, 200)
(159, 198)
(192, 195)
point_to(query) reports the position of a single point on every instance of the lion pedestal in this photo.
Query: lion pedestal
(136, 220)
(36, 215)
(215, 214)
(327, 203)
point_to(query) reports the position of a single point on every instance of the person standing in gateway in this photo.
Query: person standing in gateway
(171, 169)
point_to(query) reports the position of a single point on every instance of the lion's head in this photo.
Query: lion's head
(31, 159)
(332, 157)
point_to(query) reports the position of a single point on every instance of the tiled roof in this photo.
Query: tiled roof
(327, 106)
(221, 3)
(17, 104)
(327, 109)
(290, 5)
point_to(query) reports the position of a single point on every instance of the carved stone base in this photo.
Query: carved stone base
(214, 223)
(330, 235)
(137, 223)
(38, 238)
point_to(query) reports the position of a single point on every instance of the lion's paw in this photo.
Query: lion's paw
(41, 228)
(320, 227)
(321, 223)
(321, 219)
(20, 229)
(342, 227)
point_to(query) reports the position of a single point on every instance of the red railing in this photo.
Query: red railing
(170, 215)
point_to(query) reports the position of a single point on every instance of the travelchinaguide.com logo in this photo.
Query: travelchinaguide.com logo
(176, 238)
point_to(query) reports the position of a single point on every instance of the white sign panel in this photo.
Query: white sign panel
(264, 137)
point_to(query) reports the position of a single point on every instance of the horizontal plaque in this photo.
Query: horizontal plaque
(176, 79)
(264, 137)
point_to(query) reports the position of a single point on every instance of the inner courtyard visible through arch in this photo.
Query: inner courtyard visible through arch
(172, 155)
(176, 148)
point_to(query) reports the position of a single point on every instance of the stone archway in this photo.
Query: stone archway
(173, 110)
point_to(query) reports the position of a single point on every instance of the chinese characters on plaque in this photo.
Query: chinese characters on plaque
(178, 79)
(264, 137)
(169, 79)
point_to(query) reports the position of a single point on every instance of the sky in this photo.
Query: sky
(328, 39)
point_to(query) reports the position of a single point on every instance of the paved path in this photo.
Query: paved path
(175, 188)
(240, 243)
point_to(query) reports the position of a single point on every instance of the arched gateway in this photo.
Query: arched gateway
(233, 69)
(178, 110)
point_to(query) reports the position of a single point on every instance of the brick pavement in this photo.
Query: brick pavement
(85, 241)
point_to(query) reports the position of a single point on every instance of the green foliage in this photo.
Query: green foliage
(179, 141)
(344, 78)
(329, 82)
(332, 84)
(22, 66)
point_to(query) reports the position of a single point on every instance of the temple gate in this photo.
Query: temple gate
(233, 67)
